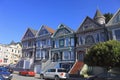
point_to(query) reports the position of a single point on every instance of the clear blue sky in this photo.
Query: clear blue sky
(17, 15)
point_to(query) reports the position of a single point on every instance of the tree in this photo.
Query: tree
(108, 16)
(104, 54)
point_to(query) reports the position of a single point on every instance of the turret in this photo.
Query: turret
(99, 18)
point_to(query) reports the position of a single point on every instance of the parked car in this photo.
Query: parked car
(27, 72)
(5, 73)
(57, 74)
(2, 78)
(105, 76)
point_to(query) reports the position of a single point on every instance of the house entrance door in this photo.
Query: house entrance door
(80, 55)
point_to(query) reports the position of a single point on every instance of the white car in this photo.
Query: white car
(56, 74)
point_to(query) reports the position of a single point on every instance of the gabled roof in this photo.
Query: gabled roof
(114, 16)
(31, 30)
(87, 18)
(50, 30)
(63, 26)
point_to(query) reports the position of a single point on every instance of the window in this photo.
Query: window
(5, 60)
(102, 37)
(48, 42)
(29, 43)
(62, 70)
(117, 34)
(66, 55)
(67, 41)
(72, 41)
(24, 44)
(46, 54)
(12, 50)
(72, 55)
(38, 43)
(61, 42)
(51, 70)
(43, 43)
(37, 54)
(80, 41)
(97, 38)
(43, 54)
(56, 44)
(53, 44)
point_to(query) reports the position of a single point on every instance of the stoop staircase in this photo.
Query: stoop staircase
(48, 65)
(76, 67)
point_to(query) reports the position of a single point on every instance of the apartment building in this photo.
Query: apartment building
(10, 53)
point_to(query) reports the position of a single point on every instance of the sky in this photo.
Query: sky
(16, 16)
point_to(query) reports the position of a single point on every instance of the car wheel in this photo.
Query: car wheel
(57, 78)
(41, 76)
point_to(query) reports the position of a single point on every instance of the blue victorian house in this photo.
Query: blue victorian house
(63, 47)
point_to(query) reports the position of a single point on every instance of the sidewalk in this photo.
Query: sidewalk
(15, 72)
(37, 75)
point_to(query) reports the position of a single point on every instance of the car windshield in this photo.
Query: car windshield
(61, 70)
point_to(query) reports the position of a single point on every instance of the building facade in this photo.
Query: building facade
(90, 32)
(66, 48)
(63, 47)
(43, 47)
(10, 53)
(28, 49)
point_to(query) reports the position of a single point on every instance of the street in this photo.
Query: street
(19, 77)
(16, 76)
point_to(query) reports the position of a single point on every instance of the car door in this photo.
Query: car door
(47, 73)
(52, 74)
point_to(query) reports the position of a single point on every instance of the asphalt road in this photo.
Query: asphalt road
(19, 77)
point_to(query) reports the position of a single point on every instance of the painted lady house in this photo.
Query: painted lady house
(63, 47)
(28, 49)
(90, 32)
(43, 48)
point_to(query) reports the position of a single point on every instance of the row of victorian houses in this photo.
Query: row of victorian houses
(64, 47)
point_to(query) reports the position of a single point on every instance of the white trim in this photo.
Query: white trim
(109, 23)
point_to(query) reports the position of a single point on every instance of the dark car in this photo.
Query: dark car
(2, 78)
(105, 76)
(5, 73)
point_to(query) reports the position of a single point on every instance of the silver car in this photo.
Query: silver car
(56, 74)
